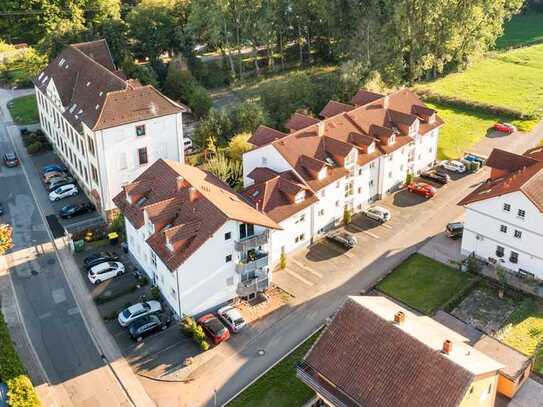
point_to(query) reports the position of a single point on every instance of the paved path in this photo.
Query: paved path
(49, 312)
(238, 362)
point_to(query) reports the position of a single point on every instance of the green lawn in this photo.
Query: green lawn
(279, 387)
(24, 110)
(424, 284)
(512, 79)
(525, 332)
(524, 29)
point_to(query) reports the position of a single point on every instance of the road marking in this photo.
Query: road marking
(46, 315)
(348, 255)
(355, 227)
(309, 270)
(299, 277)
(371, 234)
(386, 226)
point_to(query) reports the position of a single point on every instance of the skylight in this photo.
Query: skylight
(141, 201)
(61, 62)
(329, 161)
(255, 194)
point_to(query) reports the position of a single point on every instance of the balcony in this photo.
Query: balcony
(253, 286)
(252, 242)
(252, 264)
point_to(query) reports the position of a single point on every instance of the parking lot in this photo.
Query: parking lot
(325, 263)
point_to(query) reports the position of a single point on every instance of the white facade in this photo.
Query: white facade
(104, 160)
(506, 230)
(363, 186)
(215, 274)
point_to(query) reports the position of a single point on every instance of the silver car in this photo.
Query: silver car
(130, 314)
(378, 213)
(232, 318)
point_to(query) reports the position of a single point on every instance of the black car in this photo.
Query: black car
(75, 210)
(455, 230)
(436, 176)
(97, 258)
(60, 183)
(343, 238)
(11, 160)
(147, 325)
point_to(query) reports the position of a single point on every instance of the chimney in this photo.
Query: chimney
(399, 317)
(447, 347)
(385, 102)
(180, 182)
(320, 126)
(193, 194)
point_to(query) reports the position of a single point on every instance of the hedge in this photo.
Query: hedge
(21, 393)
(430, 96)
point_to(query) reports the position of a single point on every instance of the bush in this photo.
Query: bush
(204, 345)
(246, 117)
(21, 392)
(192, 329)
(216, 126)
(347, 216)
(409, 178)
(34, 148)
(283, 261)
(154, 293)
(238, 145)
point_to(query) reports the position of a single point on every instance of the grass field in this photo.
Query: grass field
(279, 387)
(522, 30)
(525, 332)
(512, 79)
(424, 284)
(24, 110)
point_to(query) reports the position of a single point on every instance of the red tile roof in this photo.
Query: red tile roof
(370, 361)
(333, 108)
(186, 206)
(273, 193)
(521, 173)
(364, 97)
(90, 88)
(300, 121)
(265, 135)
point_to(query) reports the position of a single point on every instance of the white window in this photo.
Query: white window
(506, 207)
(518, 234)
(323, 193)
(360, 171)
(337, 203)
(227, 235)
(321, 212)
(153, 259)
(372, 164)
(390, 174)
(338, 184)
(299, 238)
(503, 228)
(300, 196)
(521, 213)
(371, 183)
(264, 161)
(300, 218)
(390, 157)
(228, 258)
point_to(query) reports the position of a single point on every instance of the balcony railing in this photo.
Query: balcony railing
(253, 286)
(252, 242)
(246, 266)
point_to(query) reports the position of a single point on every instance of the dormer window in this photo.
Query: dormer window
(371, 148)
(299, 197)
(350, 159)
(322, 173)
(140, 130)
(391, 139)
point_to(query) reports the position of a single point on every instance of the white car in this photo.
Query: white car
(63, 192)
(130, 314)
(454, 166)
(378, 213)
(105, 271)
(187, 143)
(232, 318)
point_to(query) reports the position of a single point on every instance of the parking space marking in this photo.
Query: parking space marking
(355, 227)
(371, 234)
(386, 226)
(299, 277)
(308, 269)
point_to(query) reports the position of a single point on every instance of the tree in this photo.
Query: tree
(501, 275)
(347, 216)
(143, 73)
(246, 117)
(227, 170)
(216, 126)
(6, 238)
(182, 86)
(238, 145)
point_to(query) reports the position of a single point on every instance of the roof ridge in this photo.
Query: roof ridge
(110, 73)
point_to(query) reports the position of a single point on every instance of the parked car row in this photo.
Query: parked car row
(103, 266)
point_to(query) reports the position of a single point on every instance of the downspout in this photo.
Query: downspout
(178, 293)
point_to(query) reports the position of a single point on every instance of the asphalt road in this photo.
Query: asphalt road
(70, 361)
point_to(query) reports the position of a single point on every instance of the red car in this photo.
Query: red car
(421, 188)
(504, 128)
(214, 328)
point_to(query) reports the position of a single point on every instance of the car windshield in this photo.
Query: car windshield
(126, 313)
(239, 321)
(215, 326)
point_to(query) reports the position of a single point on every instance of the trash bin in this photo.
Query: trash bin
(113, 238)
(79, 246)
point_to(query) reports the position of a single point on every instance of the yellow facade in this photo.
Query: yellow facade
(482, 392)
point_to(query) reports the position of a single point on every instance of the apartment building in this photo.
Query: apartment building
(504, 215)
(199, 241)
(377, 353)
(106, 128)
(352, 157)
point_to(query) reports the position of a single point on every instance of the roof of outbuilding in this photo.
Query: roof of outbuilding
(186, 206)
(379, 363)
(93, 92)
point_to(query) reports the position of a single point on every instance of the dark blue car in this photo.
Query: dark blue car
(53, 167)
(3, 395)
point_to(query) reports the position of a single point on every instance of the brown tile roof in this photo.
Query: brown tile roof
(364, 97)
(374, 363)
(85, 76)
(265, 135)
(186, 205)
(333, 108)
(535, 153)
(526, 179)
(273, 193)
(300, 121)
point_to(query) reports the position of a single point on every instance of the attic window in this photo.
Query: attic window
(329, 161)
(80, 111)
(67, 66)
(61, 62)
(72, 108)
(40, 76)
(141, 201)
(322, 173)
(101, 93)
(97, 107)
(255, 194)
(300, 196)
(140, 130)
(88, 84)
(392, 139)
(371, 148)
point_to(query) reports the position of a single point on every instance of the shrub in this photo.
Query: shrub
(21, 392)
(198, 333)
(283, 261)
(34, 148)
(187, 324)
(347, 216)
(154, 293)
(204, 345)
(246, 117)
(409, 178)
(238, 145)
(216, 125)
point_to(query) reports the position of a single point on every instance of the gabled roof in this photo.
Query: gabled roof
(517, 177)
(300, 121)
(333, 108)
(273, 193)
(93, 92)
(186, 206)
(265, 135)
(364, 97)
(367, 358)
